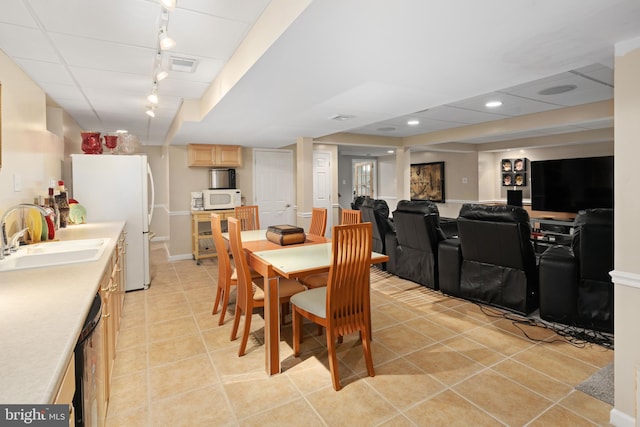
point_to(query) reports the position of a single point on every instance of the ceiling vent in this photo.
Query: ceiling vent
(555, 90)
(184, 65)
(341, 117)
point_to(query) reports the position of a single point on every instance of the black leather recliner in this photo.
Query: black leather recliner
(493, 261)
(575, 286)
(377, 213)
(413, 247)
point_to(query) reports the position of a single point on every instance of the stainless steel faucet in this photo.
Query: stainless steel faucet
(4, 246)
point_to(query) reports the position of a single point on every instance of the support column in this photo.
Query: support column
(403, 171)
(626, 274)
(304, 180)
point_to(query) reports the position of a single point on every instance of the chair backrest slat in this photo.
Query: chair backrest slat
(348, 302)
(249, 217)
(318, 222)
(350, 216)
(244, 296)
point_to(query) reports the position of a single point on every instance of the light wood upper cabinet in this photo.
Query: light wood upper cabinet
(214, 155)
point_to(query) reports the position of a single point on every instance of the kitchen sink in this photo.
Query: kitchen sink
(50, 254)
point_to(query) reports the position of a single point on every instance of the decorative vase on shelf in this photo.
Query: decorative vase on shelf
(111, 141)
(128, 144)
(91, 143)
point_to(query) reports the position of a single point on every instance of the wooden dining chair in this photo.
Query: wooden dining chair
(248, 216)
(249, 293)
(350, 216)
(344, 305)
(318, 222)
(227, 277)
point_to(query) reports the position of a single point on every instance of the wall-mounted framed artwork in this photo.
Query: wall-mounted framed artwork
(427, 181)
(513, 172)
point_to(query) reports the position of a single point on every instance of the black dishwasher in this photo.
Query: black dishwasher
(90, 370)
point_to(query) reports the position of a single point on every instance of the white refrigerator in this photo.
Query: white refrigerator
(119, 188)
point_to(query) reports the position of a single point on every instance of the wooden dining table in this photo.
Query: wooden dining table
(273, 261)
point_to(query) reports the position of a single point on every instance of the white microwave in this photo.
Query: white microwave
(220, 199)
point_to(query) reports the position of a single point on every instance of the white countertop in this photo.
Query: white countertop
(41, 315)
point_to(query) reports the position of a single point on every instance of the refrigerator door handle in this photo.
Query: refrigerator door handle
(153, 193)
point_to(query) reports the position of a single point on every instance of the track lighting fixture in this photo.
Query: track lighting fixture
(166, 42)
(170, 5)
(150, 111)
(153, 96)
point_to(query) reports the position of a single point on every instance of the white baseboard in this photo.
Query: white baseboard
(180, 257)
(620, 419)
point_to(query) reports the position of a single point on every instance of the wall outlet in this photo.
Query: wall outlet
(465, 180)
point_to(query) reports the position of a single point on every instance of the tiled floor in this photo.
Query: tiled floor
(438, 361)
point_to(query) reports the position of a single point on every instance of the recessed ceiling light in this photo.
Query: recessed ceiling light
(413, 122)
(493, 104)
(390, 151)
(341, 117)
(122, 131)
(555, 90)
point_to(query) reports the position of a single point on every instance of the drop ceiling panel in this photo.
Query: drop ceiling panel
(112, 81)
(245, 11)
(511, 105)
(104, 55)
(460, 115)
(133, 22)
(26, 43)
(46, 72)
(215, 38)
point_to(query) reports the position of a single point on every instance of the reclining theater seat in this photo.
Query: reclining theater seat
(575, 286)
(413, 248)
(498, 258)
(377, 213)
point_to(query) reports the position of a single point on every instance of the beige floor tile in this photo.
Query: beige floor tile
(588, 353)
(203, 407)
(137, 417)
(444, 363)
(130, 337)
(162, 314)
(558, 416)
(593, 409)
(403, 384)
(296, 413)
(356, 403)
(219, 337)
(429, 327)
(474, 350)
(455, 321)
(128, 392)
(401, 339)
(557, 365)
(535, 380)
(397, 421)
(182, 376)
(230, 366)
(527, 330)
(515, 404)
(173, 328)
(351, 354)
(498, 340)
(448, 409)
(130, 360)
(397, 311)
(251, 396)
(311, 372)
(175, 349)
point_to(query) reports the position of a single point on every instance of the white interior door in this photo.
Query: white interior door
(274, 186)
(322, 184)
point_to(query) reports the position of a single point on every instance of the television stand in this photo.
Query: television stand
(546, 232)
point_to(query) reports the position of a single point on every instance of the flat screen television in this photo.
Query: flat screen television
(569, 185)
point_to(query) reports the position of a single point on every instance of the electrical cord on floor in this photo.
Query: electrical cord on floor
(574, 335)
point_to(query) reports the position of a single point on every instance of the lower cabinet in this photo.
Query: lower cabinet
(112, 294)
(67, 390)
